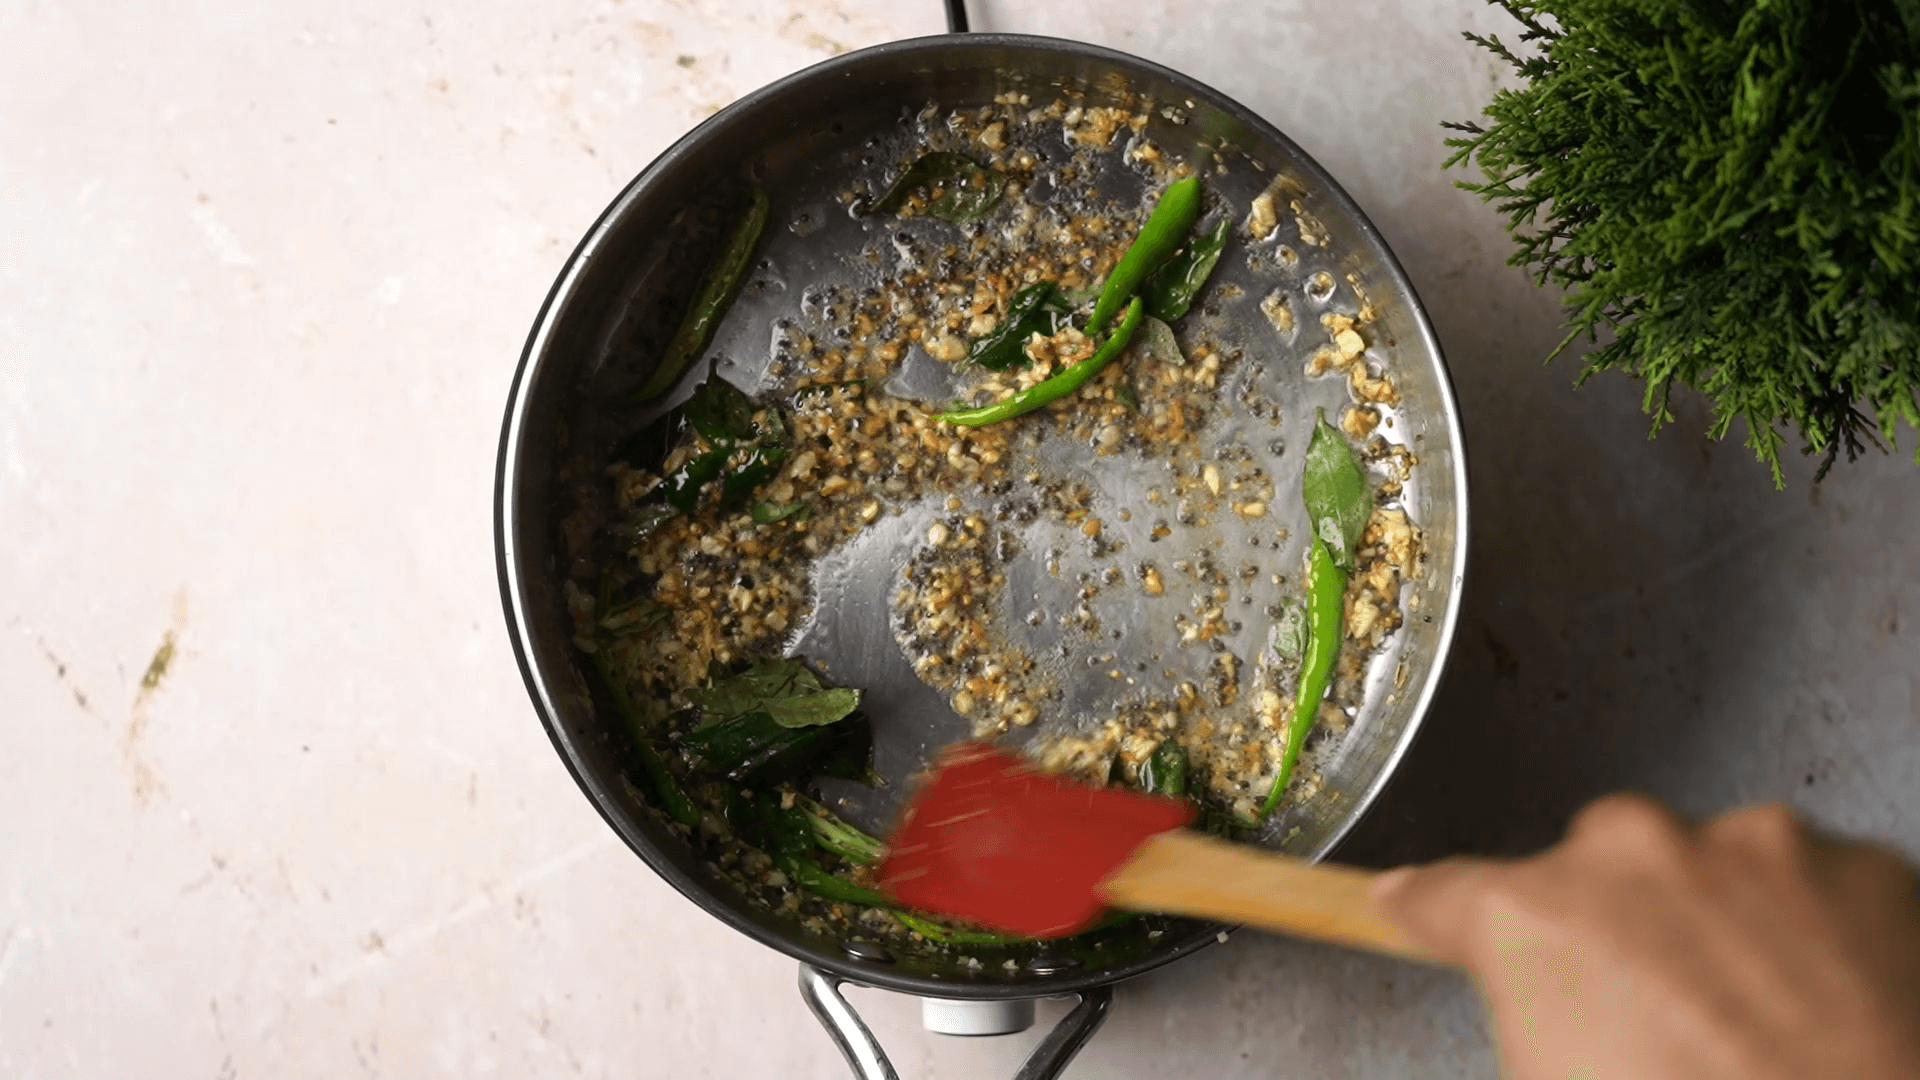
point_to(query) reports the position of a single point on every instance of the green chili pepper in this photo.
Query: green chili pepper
(955, 935)
(814, 878)
(710, 303)
(1326, 595)
(789, 836)
(1162, 235)
(784, 827)
(672, 800)
(1060, 385)
(833, 833)
(1165, 771)
(1112, 919)
(1005, 347)
(1171, 289)
(1338, 504)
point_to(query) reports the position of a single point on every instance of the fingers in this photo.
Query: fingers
(1449, 906)
(1768, 827)
(1627, 823)
(1440, 905)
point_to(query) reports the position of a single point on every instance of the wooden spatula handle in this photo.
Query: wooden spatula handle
(1190, 873)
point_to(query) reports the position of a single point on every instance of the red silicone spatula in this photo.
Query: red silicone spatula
(992, 840)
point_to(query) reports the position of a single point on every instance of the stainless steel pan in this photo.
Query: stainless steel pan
(799, 138)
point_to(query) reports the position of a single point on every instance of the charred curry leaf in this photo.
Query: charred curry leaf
(850, 757)
(755, 750)
(647, 449)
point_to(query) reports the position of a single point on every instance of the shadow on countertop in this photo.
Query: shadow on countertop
(1649, 615)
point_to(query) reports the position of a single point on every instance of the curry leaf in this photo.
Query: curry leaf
(1078, 298)
(951, 187)
(634, 617)
(681, 487)
(1335, 491)
(1290, 633)
(766, 513)
(720, 412)
(1005, 346)
(1158, 342)
(761, 464)
(813, 710)
(1171, 289)
(785, 689)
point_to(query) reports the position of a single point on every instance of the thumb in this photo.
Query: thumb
(1439, 905)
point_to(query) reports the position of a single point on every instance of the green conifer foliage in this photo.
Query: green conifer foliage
(1729, 190)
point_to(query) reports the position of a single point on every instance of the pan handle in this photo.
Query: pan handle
(1050, 1058)
(821, 989)
(956, 16)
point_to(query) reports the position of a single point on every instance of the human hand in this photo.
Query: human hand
(1647, 947)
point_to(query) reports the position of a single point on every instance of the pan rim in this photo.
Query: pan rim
(508, 522)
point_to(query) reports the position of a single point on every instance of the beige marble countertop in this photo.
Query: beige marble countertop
(272, 798)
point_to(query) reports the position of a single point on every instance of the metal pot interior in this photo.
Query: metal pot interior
(802, 140)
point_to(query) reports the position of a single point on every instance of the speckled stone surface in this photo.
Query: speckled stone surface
(266, 273)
